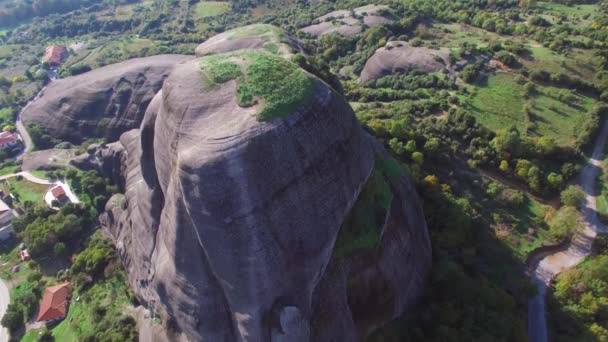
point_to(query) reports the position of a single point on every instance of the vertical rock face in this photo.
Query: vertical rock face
(228, 226)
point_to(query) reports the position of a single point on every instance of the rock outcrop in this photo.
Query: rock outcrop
(350, 23)
(236, 229)
(103, 103)
(252, 37)
(400, 57)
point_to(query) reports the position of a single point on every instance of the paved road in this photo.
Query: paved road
(4, 299)
(575, 252)
(25, 136)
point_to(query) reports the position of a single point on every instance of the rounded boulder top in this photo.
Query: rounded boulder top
(252, 37)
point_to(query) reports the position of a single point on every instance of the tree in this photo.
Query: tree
(432, 145)
(418, 158)
(555, 180)
(13, 318)
(396, 146)
(504, 166)
(572, 196)
(564, 223)
(410, 146)
(431, 181)
(59, 249)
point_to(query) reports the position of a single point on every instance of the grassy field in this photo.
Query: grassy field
(206, 9)
(461, 33)
(561, 9)
(577, 63)
(499, 104)
(25, 190)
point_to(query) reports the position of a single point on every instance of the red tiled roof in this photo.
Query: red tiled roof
(54, 303)
(7, 138)
(58, 191)
(55, 54)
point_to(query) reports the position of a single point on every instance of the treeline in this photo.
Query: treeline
(15, 12)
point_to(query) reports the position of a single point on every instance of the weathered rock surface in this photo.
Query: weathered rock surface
(251, 37)
(349, 23)
(228, 225)
(102, 103)
(400, 57)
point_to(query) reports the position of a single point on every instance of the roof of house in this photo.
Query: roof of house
(8, 138)
(54, 54)
(54, 303)
(58, 191)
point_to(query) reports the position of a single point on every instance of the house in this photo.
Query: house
(54, 55)
(24, 255)
(58, 193)
(56, 196)
(8, 139)
(6, 222)
(54, 303)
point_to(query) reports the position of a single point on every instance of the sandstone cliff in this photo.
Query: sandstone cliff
(102, 103)
(235, 228)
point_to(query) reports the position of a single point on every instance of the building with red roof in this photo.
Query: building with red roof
(58, 192)
(8, 139)
(54, 55)
(54, 303)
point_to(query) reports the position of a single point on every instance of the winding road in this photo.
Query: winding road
(545, 269)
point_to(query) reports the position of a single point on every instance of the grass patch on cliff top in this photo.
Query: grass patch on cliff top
(278, 84)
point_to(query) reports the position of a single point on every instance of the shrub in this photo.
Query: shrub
(572, 196)
(564, 223)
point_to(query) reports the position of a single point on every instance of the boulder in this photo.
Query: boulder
(102, 103)
(400, 57)
(234, 228)
(252, 37)
(350, 23)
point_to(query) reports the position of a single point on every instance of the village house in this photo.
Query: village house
(54, 303)
(56, 196)
(8, 139)
(54, 55)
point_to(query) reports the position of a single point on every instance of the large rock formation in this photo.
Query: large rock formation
(350, 23)
(102, 103)
(400, 57)
(237, 229)
(257, 36)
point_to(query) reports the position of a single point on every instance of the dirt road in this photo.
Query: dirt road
(579, 248)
